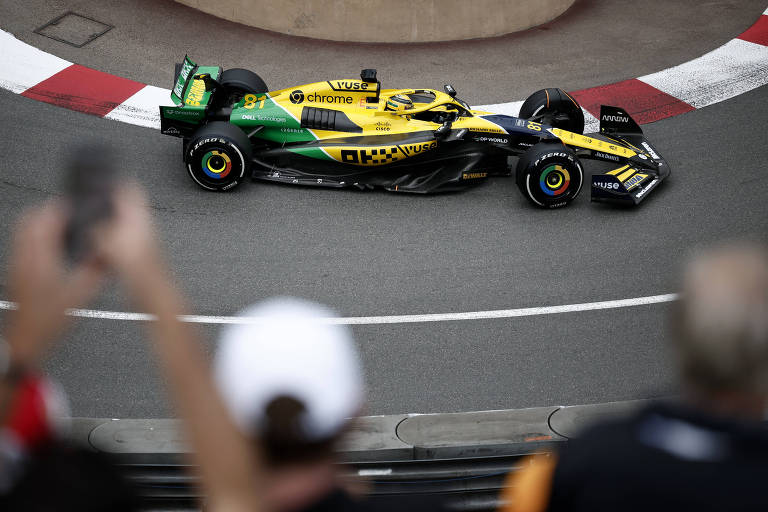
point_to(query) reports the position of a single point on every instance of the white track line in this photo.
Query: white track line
(392, 319)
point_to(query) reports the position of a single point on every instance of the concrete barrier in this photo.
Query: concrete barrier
(388, 21)
(378, 438)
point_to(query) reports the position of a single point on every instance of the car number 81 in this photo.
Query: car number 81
(252, 99)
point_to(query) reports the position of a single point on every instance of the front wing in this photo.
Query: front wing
(632, 182)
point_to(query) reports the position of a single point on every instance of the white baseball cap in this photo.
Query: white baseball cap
(286, 349)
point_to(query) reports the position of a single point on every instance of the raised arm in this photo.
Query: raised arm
(42, 289)
(230, 467)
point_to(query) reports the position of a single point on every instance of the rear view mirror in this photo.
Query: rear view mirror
(443, 130)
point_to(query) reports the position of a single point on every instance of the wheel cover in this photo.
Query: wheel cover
(554, 180)
(216, 164)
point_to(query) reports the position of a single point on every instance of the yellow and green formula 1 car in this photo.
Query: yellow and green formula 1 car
(353, 133)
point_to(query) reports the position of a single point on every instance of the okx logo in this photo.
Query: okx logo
(297, 96)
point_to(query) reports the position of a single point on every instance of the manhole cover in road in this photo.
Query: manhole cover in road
(74, 29)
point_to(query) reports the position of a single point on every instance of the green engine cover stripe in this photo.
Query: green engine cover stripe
(291, 115)
(278, 124)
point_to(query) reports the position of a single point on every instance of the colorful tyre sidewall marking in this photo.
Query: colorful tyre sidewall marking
(216, 164)
(554, 180)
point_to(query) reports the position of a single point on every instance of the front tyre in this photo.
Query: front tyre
(549, 175)
(553, 107)
(218, 156)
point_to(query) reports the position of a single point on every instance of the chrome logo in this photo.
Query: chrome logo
(296, 96)
(554, 180)
(216, 164)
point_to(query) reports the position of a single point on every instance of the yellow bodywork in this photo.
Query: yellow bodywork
(363, 103)
(357, 100)
(352, 98)
(583, 141)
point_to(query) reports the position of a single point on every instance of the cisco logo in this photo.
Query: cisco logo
(297, 96)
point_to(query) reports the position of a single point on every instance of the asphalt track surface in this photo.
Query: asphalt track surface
(377, 253)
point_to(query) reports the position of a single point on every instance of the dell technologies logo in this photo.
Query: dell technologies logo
(297, 96)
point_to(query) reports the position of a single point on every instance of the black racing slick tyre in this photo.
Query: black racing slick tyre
(236, 83)
(554, 107)
(549, 175)
(218, 156)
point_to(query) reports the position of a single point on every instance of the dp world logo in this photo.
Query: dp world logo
(297, 96)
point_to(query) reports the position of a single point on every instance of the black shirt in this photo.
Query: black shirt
(665, 458)
(69, 479)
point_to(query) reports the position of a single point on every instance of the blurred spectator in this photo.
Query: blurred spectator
(287, 386)
(292, 383)
(39, 470)
(708, 452)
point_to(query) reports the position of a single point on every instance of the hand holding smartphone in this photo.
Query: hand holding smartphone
(90, 186)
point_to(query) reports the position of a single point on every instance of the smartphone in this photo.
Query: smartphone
(89, 189)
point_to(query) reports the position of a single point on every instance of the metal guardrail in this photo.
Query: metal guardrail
(466, 484)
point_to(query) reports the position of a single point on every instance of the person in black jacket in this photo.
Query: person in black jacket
(706, 451)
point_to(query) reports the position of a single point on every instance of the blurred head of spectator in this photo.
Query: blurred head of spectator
(708, 451)
(291, 383)
(720, 330)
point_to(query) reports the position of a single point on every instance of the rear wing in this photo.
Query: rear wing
(184, 71)
(191, 99)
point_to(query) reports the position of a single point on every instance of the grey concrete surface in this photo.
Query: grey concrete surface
(401, 21)
(595, 42)
(378, 253)
(370, 438)
(138, 436)
(570, 421)
(374, 438)
(489, 427)
(435, 436)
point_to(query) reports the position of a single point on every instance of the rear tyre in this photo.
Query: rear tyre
(236, 83)
(555, 108)
(549, 175)
(218, 156)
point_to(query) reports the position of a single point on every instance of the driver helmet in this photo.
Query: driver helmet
(399, 102)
